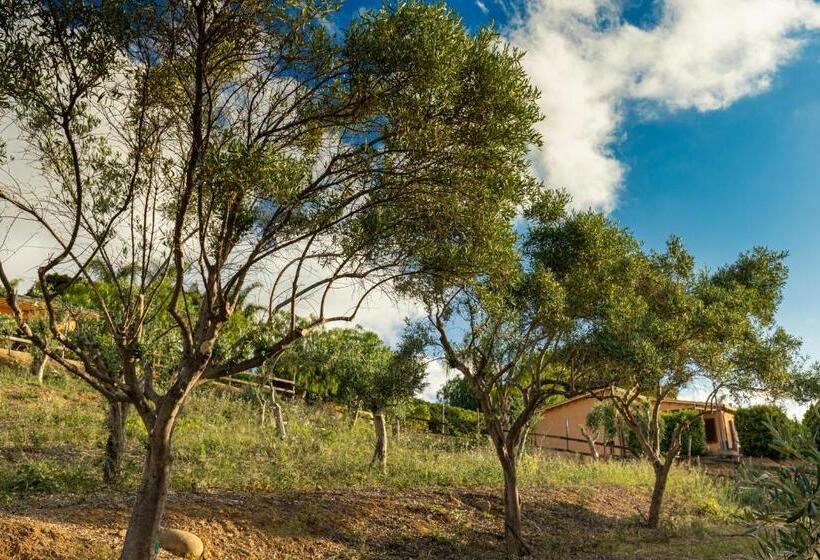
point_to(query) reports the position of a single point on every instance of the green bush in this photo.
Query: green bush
(811, 422)
(784, 503)
(696, 430)
(448, 420)
(752, 426)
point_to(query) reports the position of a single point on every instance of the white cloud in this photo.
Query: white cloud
(482, 6)
(589, 64)
(437, 376)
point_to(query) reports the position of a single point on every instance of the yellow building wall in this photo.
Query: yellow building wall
(567, 419)
(564, 420)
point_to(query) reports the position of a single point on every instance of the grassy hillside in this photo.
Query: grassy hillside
(442, 488)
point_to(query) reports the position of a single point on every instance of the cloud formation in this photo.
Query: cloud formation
(590, 66)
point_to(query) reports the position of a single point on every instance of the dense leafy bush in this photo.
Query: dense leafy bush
(756, 438)
(696, 430)
(785, 503)
(811, 422)
(443, 418)
(415, 414)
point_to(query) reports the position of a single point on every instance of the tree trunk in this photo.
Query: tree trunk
(355, 419)
(115, 446)
(522, 445)
(278, 420)
(512, 509)
(141, 539)
(661, 476)
(380, 450)
(593, 452)
(38, 364)
(396, 429)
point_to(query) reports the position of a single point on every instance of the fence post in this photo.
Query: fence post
(566, 431)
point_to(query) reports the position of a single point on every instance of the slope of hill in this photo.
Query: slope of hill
(252, 496)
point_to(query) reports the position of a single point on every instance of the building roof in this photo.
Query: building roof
(693, 404)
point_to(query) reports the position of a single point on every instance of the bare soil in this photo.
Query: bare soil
(562, 523)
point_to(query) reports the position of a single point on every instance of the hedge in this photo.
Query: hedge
(752, 429)
(696, 429)
(456, 422)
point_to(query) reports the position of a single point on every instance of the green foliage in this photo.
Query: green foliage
(786, 503)
(8, 326)
(456, 422)
(353, 367)
(696, 430)
(605, 422)
(456, 393)
(754, 429)
(811, 422)
(440, 418)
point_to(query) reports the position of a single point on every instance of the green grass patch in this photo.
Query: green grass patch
(52, 440)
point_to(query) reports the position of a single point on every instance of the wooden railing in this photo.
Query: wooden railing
(282, 386)
(563, 444)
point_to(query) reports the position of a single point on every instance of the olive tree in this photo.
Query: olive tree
(519, 335)
(397, 378)
(715, 330)
(206, 144)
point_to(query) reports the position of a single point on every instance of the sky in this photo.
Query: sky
(698, 118)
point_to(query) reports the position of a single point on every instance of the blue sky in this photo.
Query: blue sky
(696, 118)
(731, 179)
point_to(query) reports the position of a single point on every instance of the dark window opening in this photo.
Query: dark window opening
(711, 430)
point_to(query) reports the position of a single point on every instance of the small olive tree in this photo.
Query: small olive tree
(520, 334)
(686, 327)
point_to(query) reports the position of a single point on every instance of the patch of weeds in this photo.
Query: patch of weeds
(42, 477)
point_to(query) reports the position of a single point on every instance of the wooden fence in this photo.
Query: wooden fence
(282, 386)
(562, 444)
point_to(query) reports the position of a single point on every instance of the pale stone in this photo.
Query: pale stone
(182, 543)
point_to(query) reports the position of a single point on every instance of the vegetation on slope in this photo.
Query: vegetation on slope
(52, 439)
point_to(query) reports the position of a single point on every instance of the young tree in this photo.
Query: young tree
(519, 335)
(398, 378)
(202, 144)
(687, 327)
(602, 422)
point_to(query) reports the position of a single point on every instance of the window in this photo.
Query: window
(711, 430)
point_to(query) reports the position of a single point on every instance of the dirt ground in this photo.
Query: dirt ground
(589, 523)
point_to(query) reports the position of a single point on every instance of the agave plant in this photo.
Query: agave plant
(786, 504)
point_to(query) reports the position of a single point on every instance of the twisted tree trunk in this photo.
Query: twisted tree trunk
(661, 478)
(513, 539)
(38, 364)
(593, 451)
(141, 538)
(278, 419)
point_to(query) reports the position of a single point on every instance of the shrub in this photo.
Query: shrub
(456, 393)
(696, 430)
(784, 503)
(451, 420)
(752, 426)
(811, 423)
